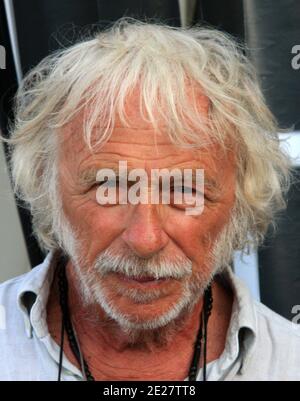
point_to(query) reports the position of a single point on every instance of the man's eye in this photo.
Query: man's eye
(185, 196)
(108, 183)
(183, 189)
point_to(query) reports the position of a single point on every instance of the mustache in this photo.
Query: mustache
(132, 265)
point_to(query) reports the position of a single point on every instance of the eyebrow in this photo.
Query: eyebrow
(88, 176)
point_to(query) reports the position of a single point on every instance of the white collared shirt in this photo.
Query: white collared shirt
(260, 344)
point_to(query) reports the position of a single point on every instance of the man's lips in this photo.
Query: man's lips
(141, 279)
(144, 279)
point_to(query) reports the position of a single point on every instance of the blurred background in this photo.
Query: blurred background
(31, 29)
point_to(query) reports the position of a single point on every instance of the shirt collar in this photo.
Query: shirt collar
(33, 295)
(34, 291)
(242, 331)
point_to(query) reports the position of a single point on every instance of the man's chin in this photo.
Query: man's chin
(133, 305)
(148, 314)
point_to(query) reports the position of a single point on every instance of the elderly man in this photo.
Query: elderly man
(133, 289)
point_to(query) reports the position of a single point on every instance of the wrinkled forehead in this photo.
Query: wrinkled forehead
(144, 148)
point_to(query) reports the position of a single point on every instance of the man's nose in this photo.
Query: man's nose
(144, 233)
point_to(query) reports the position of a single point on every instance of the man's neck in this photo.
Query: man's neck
(162, 354)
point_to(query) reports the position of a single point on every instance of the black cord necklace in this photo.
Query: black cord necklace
(67, 326)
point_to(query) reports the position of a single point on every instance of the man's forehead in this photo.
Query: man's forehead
(144, 148)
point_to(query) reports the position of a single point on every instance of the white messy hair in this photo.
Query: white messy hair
(96, 76)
